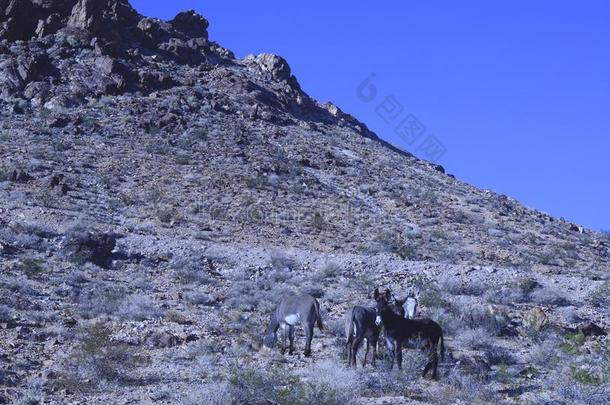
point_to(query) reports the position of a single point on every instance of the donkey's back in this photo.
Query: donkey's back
(299, 309)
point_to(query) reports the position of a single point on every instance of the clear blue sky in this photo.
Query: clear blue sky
(518, 92)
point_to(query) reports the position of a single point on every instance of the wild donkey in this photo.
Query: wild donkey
(360, 325)
(291, 311)
(399, 331)
(410, 306)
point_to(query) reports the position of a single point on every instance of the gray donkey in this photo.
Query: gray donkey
(410, 306)
(360, 325)
(291, 311)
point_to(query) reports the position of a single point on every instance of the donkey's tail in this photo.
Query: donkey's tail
(349, 326)
(318, 316)
(442, 347)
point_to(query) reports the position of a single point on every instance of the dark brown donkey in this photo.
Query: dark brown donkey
(360, 325)
(399, 331)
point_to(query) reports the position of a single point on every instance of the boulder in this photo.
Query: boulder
(191, 24)
(94, 247)
(20, 21)
(49, 25)
(102, 17)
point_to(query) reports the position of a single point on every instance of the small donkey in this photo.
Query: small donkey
(291, 311)
(360, 325)
(410, 306)
(400, 330)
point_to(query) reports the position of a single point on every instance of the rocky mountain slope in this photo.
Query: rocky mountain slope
(157, 194)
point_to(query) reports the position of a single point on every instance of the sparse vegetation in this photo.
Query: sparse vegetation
(97, 358)
(324, 383)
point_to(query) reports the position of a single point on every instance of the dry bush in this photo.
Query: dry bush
(322, 383)
(549, 296)
(455, 286)
(282, 261)
(97, 357)
(600, 297)
(138, 308)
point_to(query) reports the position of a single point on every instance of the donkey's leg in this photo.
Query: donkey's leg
(435, 362)
(309, 337)
(366, 353)
(374, 344)
(291, 339)
(348, 346)
(357, 344)
(399, 354)
(432, 356)
(391, 351)
(283, 331)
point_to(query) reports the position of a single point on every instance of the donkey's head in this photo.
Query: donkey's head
(383, 303)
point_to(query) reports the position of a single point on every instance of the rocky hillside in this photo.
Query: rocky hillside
(158, 194)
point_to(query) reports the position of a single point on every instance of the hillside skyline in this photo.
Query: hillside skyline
(517, 96)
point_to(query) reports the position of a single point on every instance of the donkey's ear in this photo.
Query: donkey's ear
(376, 294)
(388, 294)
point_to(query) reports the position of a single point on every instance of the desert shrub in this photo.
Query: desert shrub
(572, 343)
(323, 383)
(393, 242)
(545, 352)
(318, 221)
(584, 375)
(327, 382)
(200, 298)
(600, 297)
(32, 268)
(98, 357)
(101, 300)
(177, 317)
(336, 327)
(528, 285)
(497, 355)
(138, 308)
(110, 300)
(479, 316)
(330, 270)
(506, 295)
(6, 313)
(182, 159)
(447, 320)
(212, 394)
(459, 385)
(478, 338)
(248, 295)
(76, 278)
(281, 261)
(258, 385)
(549, 296)
(256, 182)
(455, 286)
(167, 214)
(190, 270)
(430, 296)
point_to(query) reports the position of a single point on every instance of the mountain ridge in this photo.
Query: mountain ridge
(158, 195)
